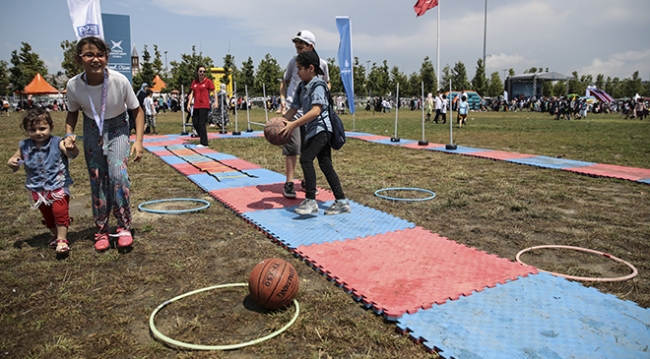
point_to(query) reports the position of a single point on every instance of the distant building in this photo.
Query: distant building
(530, 85)
(135, 62)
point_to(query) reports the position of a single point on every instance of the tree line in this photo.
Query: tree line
(380, 79)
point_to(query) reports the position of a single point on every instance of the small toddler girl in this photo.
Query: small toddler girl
(47, 174)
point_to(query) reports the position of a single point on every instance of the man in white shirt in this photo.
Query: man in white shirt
(439, 104)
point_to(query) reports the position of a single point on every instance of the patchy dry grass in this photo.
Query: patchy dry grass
(93, 305)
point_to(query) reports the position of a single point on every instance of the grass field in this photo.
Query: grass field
(97, 305)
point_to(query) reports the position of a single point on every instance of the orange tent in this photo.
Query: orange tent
(39, 86)
(159, 85)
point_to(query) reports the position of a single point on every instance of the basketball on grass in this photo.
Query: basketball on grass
(273, 283)
(272, 132)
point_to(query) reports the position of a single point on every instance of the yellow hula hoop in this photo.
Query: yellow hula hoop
(157, 334)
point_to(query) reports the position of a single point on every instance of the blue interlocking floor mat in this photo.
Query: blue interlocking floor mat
(539, 316)
(294, 230)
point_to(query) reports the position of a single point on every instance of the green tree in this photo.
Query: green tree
(157, 64)
(559, 88)
(229, 68)
(184, 72)
(379, 79)
(600, 81)
(459, 77)
(415, 84)
(615, 89)
(69, 64)
(479, 82)
(446, 78)
(495, 87)
(359, 78)
(398, 77)
(147, 71)
(269, 74)
(247, 75)
(547, 89)
(531, 70)
(334, 74)
(633, 85)
(26, 65)
(428, 76)
(511, 72)
(4, 78)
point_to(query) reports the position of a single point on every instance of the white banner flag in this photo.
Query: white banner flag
(86, 18)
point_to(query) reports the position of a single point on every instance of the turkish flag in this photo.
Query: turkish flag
(423, 6)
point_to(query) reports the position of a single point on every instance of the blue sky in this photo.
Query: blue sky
(588, 36)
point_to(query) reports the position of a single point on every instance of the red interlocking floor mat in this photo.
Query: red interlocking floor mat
(404, 271)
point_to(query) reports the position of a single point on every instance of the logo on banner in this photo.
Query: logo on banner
(116, 45)
(88, 30)
(116, 50)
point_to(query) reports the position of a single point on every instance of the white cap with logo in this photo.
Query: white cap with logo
(305, 36)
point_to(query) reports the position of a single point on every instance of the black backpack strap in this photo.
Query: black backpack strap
(329, 102)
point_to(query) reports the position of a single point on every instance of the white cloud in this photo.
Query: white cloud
(620, 65)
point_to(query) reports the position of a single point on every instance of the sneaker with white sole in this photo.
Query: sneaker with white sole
(124, 237)
(339, 206)
(308, 206)
(289, 191)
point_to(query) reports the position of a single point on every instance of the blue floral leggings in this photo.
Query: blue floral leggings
(107, 158)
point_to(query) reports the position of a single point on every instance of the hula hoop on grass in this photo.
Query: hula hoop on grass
(580, 249)
(180, 344)
(431, 194)
(205, 203)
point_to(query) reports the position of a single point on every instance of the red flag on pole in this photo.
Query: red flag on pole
(422, 6)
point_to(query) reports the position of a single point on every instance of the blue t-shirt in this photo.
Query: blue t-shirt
(463, 108)
(46, 167)
(307, 95)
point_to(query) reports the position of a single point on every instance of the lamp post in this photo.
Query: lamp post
(166, 68)
(504, 74)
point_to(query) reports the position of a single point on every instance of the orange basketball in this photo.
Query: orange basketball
(272, 132)
(273, 283)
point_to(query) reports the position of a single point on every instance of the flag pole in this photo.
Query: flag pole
(438, 50)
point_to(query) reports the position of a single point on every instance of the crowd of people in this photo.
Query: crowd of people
(573, 107)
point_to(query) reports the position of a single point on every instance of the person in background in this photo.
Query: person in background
(463, 110)
(428, 106)
(150, 112)
(200, 97)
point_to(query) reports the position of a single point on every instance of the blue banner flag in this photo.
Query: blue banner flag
(345, 58)
(117, 34)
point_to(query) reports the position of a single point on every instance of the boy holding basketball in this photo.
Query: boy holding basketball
(312, 98)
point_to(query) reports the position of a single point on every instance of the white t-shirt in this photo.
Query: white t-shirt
(439, 102)
(148, 106)
(119, 96)
(291, 76)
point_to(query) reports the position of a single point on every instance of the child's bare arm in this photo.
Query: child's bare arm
(15, 161)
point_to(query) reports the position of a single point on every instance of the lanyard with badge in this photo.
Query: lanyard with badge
(99, 119)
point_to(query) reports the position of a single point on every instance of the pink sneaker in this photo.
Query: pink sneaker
(101, 242)
(124, 237)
